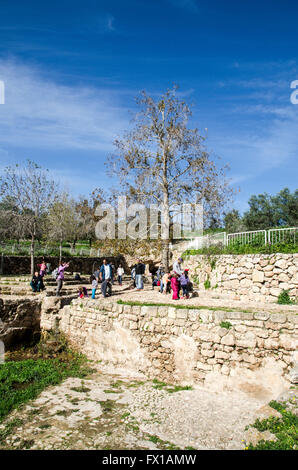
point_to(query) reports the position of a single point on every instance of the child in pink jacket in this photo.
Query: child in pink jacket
(175, 287)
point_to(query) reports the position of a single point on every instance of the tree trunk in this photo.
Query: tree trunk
(32, 253)
(166, 254)
(73, 245)
(60, 252)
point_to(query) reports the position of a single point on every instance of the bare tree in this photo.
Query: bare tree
(63, 221)
(32, 192)
(163, 161)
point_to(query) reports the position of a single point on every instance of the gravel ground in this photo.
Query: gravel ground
(121, 411)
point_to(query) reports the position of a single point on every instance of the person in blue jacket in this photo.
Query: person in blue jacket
(106, 275)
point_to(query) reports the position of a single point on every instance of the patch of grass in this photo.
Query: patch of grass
(25, 444)
(44, 426)
(111, 391)
(9, 428)
(62, 412)
(135, 384)
(108, 405)
(226, 324)
(284, 298)
(285, 430)
(179, 388)
(166, 445)
(170, 388)
(81, 389)
(24, 380)
(180, 306)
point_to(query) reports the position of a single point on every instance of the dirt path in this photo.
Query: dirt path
(118, 411)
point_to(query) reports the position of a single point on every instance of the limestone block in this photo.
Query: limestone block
(257, 276)
(203, 366)
(275, 292)
(248, 340)
(228, 340)
(172, 312)
(278, 318)
(207, 352)
(182, 313)
(281, 263)
(288, 342)
(225, 370)
(261, 316)
(271, 343)
(221, 355)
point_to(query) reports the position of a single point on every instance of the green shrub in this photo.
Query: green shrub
(238, 249)
(226, 324)
(284, 298)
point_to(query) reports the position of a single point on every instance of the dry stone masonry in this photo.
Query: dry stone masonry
(257, 277)
(181, 345)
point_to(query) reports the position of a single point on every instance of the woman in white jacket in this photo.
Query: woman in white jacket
(120, 272)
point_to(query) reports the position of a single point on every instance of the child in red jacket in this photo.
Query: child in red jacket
(175, 287)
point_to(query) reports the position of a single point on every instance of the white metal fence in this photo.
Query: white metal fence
(206, 241)
(247, 238)
(259, 237)
(283, 235)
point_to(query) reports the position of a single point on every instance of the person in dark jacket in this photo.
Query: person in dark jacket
(140, 271)
(37, 282)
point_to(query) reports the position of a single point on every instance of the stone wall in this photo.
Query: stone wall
(21, 264)
(19, 320)
(182, 345)
(259, 277)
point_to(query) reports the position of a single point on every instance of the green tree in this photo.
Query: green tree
(285, 204)
(233, 222)
(272, 211)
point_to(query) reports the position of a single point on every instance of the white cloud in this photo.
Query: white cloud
(40, 113)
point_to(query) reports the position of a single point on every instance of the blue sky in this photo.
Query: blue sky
(72, 69)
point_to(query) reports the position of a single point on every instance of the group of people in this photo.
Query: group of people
(168, 282)
(174, 281)
(37, 281)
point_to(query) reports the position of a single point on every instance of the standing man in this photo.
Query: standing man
(60, 277)
(140, 271)
(105, 273)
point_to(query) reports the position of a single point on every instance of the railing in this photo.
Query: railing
(283, 235)
(254, 237)
(206, 241)
(247, 238)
